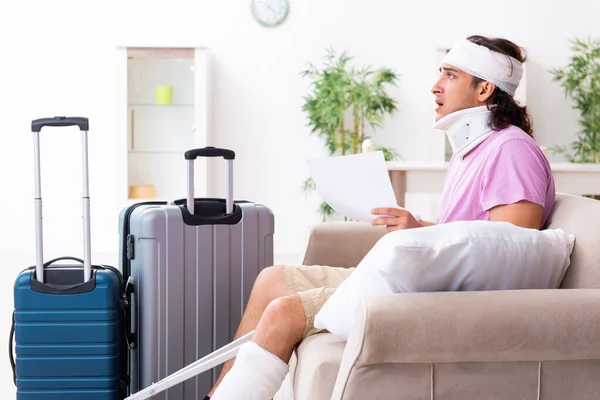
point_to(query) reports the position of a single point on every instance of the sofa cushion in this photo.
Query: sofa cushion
(580, 216)
(457, 256)
(318, 362)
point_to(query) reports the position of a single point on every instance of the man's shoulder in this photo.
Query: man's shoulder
(513, 145)
(509, 138)
(509, 133)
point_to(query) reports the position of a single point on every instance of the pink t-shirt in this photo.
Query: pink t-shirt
(507, 167)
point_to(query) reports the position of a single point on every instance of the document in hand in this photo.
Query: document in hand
(354, 184)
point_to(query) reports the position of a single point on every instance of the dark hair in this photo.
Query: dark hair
(507, 111)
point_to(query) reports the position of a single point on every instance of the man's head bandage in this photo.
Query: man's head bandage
(502, 70)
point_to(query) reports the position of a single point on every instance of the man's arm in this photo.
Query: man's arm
(523, 213)
(515, 186)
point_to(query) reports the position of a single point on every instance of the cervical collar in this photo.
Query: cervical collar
(465, 128)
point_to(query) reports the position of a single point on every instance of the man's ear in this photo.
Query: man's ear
(485, 90)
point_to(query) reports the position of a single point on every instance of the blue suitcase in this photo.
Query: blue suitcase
(69, 320)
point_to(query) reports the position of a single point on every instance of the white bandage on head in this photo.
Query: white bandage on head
(502, 70)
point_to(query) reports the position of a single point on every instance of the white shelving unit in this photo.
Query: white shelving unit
(155, 136)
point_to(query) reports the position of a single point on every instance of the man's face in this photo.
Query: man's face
(454, 92)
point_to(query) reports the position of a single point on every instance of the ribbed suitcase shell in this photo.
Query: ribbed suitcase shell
(68, 346)
(191, 286)
(69, 319)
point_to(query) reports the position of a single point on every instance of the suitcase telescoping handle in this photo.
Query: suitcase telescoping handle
(36, 127)
(82, 123)
(228, 155)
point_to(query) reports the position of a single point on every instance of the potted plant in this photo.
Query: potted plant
(342, 104)
(580, 80)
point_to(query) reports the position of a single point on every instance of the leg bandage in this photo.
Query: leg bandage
(256, 374)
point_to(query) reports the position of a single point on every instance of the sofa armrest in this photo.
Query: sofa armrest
(487, 326)
(340, 244)
(462, 327)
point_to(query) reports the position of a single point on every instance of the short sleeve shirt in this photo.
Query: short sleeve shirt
(506, 168)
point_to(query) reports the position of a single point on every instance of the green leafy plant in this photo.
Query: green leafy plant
(580, 80)
(343, 103)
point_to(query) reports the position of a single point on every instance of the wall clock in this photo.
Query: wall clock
(270, 13)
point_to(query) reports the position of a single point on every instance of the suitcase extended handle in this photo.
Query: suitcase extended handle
(209, 151)
(81, 122)
(228, 155)
(36, 126)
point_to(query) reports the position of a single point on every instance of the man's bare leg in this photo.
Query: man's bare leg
(281, 327)
(262, 363)
(269, 285)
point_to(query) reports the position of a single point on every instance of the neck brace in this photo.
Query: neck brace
(465, 128)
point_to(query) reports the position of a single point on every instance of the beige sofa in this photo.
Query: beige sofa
(517, 345)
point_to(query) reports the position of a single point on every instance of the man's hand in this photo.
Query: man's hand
(394, 219)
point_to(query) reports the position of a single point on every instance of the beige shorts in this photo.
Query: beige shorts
(314, 284)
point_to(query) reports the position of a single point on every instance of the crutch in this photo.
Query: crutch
(215, 358)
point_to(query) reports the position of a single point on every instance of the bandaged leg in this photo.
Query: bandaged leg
(204, 364)
(257, 374)
(262, 364)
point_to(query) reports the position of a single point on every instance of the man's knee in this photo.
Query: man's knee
(270, 283)
(286, 313)
(275, 273)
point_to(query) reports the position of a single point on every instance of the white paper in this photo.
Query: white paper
(355, 184)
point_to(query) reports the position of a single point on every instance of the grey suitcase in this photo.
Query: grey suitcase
(190, 265)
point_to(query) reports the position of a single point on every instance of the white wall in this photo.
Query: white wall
(58, 57)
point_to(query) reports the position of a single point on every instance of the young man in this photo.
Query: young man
(497, 172)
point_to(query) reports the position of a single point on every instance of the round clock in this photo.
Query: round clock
(270, 12)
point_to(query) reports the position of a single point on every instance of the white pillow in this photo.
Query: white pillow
(456, 256)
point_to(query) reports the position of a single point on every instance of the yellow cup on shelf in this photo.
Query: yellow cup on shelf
(164, 95)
